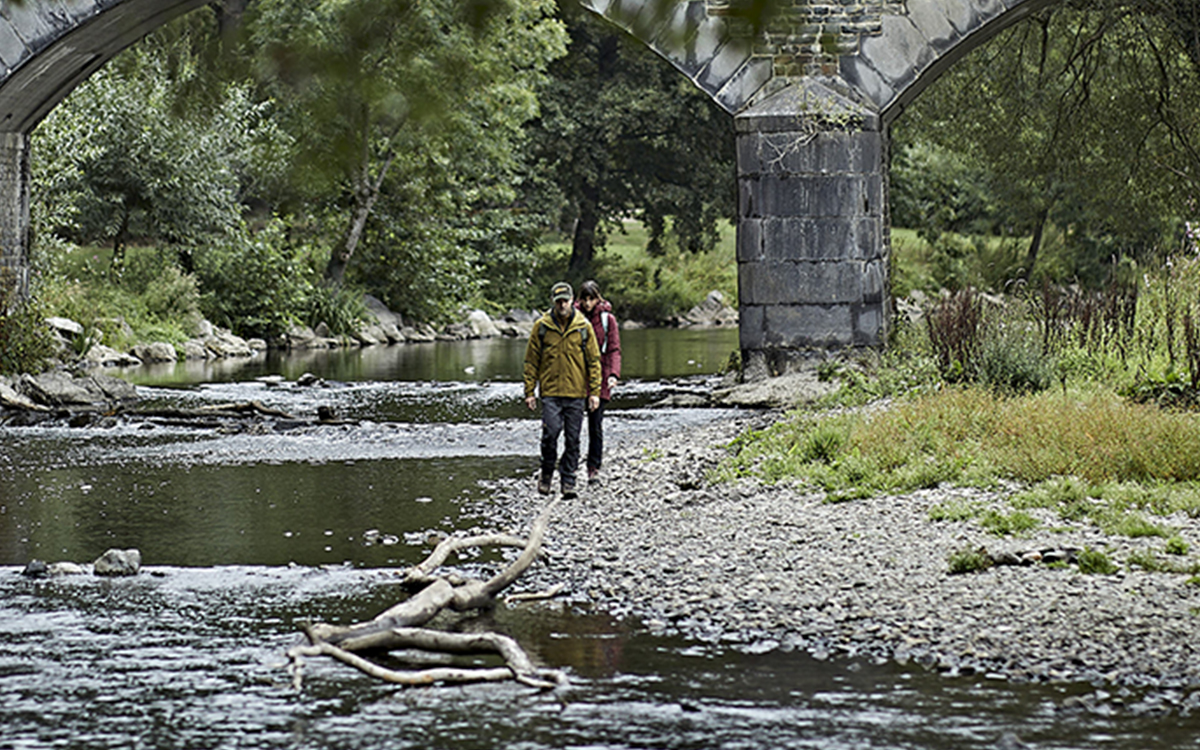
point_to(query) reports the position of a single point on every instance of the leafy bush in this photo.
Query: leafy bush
(251, 282)
(25, 341)
(340, 308)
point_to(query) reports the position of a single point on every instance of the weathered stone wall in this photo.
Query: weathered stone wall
(809, 38)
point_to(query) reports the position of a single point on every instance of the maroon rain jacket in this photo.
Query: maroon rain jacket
(609, 341)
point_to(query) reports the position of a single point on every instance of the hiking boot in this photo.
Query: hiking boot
(544, 486)
(568, 492)
(594, 478)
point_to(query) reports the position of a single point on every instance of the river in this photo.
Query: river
(245, 532)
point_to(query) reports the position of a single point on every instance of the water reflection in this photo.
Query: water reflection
(648, 354)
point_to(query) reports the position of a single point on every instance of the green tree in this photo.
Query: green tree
(382, 93)
(121, 160)
(1082, 116)
(622, 133)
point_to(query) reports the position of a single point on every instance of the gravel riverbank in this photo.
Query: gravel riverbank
(765, 567)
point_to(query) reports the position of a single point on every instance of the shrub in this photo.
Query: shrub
(251, 283)
(25, 342)
(969, 561)
(1093, 561)
(340, 308)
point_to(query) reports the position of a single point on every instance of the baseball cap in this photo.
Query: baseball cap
(561, 290)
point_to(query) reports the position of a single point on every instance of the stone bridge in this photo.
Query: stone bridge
(812, 96)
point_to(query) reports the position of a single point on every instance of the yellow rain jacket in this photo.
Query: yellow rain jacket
(565, 361)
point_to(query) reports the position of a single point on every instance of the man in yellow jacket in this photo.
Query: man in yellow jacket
(562, 361)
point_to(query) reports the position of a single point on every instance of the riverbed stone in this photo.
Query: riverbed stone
(118, 562)
(157, 351)
(99, 355)
(481, 325)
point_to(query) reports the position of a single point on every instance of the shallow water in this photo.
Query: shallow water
(247, 531)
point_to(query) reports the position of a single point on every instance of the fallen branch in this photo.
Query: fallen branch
(519, 666)
(395, 628)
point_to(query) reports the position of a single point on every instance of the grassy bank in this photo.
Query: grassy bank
(652, 288)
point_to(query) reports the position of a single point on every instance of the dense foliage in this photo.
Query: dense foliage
(1075, 133)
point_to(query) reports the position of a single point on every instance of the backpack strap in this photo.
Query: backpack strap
(604, 317)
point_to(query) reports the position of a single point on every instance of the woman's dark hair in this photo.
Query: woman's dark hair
(589, 290)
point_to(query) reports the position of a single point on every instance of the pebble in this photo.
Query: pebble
(766, 565)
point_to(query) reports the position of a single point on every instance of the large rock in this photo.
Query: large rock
(424, 332)
(481, 325)
(11, 399)
(55, 389)
(158, 351)
(388, 321)
(195, 349)
(65, 327)
(99, 355)
(223, 343)
(712, 311)
(58, 388)
(118, 562)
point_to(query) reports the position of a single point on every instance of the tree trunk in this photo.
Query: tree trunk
(1035, 244)
(366, 193)
(583, 246)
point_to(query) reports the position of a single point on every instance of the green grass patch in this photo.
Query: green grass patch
(969, 561)
(1094, 562)
(1008, 524)
(973, 437)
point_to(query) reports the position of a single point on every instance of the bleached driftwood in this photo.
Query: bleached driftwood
(398, 627)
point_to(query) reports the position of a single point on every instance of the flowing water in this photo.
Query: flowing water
(246, 532)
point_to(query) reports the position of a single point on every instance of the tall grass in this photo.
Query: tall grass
(974, 436)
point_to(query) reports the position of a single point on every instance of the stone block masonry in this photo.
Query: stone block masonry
(14, 208)
(812, 233)
(809, 38)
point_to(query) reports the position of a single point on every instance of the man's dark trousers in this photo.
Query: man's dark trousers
(561, 415)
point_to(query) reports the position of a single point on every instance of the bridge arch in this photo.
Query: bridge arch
(812, 96)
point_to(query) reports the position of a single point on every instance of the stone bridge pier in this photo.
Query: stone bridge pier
(14, 211)
(812, 232)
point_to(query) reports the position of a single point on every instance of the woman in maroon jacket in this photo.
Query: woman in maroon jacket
(598, 311)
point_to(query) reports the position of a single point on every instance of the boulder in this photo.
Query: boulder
(223, 343)
(481, 325)
(423, 333)
(99, 355)
(522, 316)
(712, 311)
(158, 351)
(203, 329)
(380, 311)
(298, 337)
(55, 388)
(11, 399)
(456, 332)
(195, 349)
(65, 327)
(117, 562)
(370, 334)
(109, 389)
